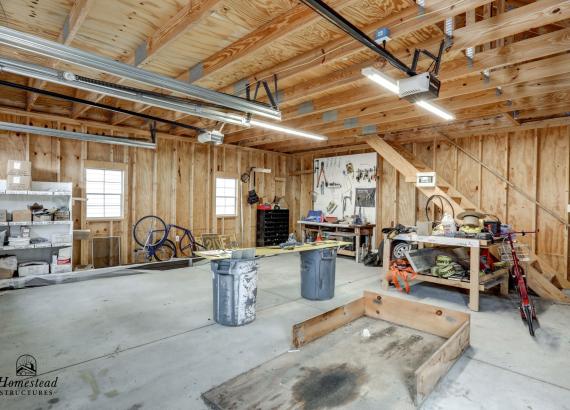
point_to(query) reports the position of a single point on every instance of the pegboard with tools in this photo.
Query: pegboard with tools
(344, 186)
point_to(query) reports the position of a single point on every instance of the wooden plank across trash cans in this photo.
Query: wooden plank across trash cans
(267, 251)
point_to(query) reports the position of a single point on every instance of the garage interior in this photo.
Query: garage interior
(287, 204)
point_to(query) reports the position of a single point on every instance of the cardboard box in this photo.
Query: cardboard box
(61, 215)
(39, 268)
(42, 218)
(21, 168)
(59, 238)
(8, 266)
(18, 183)
(3, 215)
(21, 215)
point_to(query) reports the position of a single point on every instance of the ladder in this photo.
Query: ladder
(541, 277)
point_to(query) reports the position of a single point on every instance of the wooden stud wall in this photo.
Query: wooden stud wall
(536, 160)
(175, 182)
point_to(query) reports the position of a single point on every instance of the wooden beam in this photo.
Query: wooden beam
(286, 24)
(378, 110)
(74, 21)
(555, 90)
(510, 117)
(182, 22)
(404, 23)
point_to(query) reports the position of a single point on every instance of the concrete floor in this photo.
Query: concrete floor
(148, 341)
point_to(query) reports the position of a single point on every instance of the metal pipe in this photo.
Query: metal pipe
(81, 136)
(51, 49)
(71, 80)
(98, 105)
(335, 18)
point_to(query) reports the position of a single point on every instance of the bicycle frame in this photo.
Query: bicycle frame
(517, 269)
(151, 249)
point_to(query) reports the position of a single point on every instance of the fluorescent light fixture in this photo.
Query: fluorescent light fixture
(286, 130)
(434, 109)
(381, 79)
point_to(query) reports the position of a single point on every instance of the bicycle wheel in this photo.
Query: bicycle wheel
(166, 251)
(186, 246)
(528, 317)
(149, 231)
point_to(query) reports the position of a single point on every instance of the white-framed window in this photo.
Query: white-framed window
(104, 191)
(226, 197)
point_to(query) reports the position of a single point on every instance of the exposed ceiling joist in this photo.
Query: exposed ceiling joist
(519, 97)
(387, 108)
(509, 24)
(283, 25)
(91, 61)
(182, 22)
(74, 21)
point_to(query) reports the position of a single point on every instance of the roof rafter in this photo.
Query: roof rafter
(182, 22)
(77, 15)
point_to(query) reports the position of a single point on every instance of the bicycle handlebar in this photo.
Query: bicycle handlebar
(523, 233)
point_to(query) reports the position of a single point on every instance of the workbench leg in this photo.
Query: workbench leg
(504, 287)
(474, 279)
(357, 231)
(303, 235)
(385, 262)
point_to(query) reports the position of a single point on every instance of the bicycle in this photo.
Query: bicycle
(151, 232)
(514, 254)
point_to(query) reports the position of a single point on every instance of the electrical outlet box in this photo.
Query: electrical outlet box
(426, 179)
(381, 35)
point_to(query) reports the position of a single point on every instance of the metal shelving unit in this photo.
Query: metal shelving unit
(50, 195)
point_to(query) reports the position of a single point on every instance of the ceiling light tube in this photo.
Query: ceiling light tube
(286, 130)
(381, 79)
(434, 109)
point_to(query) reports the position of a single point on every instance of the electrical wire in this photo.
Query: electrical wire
(441, 198)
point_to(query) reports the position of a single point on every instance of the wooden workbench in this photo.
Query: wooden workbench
(267, 251)
(343, 231)
(476, 282)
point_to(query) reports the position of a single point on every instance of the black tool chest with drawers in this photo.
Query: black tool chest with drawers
(272, 227)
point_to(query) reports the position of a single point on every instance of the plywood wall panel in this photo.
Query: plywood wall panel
(445, 161)
(493, 190)
(552, 193)
(44, 154)
(521, 160)
(12, 146)
(468, 169)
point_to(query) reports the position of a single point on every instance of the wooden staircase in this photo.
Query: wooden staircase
(541, 277)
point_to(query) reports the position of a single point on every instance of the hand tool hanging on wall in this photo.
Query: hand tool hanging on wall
(322, 175)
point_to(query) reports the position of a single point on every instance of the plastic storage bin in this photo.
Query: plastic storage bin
(318, 269)
(235, 291)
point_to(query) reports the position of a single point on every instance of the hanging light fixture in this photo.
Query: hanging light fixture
(286, 130)
(434, 109)
(381, 79)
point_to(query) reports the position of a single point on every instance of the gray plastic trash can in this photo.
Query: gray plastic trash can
(235, 291)
(318, 270)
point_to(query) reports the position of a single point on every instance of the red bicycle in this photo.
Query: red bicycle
(514, 253)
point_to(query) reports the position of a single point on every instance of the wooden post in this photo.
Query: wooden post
(474, 279)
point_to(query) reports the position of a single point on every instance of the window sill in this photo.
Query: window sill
(226, 216)
(103, 219)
